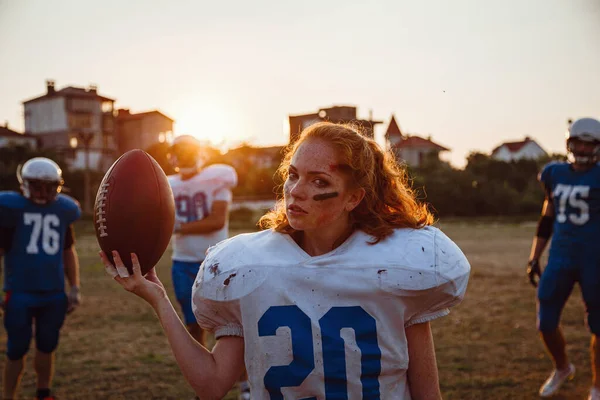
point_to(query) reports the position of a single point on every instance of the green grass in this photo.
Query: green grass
(487, 348)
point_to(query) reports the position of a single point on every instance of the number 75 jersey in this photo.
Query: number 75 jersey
(576, 199)
(330, 326)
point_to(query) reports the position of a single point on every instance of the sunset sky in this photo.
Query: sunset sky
(470, 73)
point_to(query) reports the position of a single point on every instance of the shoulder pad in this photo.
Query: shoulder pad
(222, 172)
(546, 171)
(424, 258)
(452, 264)
(70, 205)
(231, 269)
(13, 200)
(67, 201)
(173, 178)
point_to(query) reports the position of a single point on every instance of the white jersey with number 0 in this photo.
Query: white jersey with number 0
(194, 198)
(331, 326)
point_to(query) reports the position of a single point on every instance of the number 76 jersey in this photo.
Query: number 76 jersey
(35, 260)
(576, 199)
(330, 326)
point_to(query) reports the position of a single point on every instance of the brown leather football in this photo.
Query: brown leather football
(134, 210)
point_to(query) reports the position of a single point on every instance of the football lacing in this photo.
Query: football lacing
(100, 209)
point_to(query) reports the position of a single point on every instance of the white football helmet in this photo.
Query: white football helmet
(584, 130)
(41, 180)
(186, 154)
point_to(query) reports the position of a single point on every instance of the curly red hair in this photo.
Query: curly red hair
(389, 201)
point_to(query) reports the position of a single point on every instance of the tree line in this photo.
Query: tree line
(485, 187)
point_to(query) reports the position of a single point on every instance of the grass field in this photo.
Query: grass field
(112, 347)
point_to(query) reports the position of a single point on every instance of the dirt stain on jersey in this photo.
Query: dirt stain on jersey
(214, 269)
(226, 281)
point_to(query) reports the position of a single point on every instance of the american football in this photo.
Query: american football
(134, 211)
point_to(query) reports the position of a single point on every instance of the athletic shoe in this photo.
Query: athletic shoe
(555, 381)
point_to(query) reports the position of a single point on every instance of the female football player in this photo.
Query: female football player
(333, 299)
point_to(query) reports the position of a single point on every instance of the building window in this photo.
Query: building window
(107, 107)
(80, 121)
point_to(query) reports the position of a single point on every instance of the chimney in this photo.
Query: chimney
(93, 88)
(370, 114)
(50, 86)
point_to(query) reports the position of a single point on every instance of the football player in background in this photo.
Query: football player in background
(349, 269)
(571, 216)
(202, 200)
(37, 242)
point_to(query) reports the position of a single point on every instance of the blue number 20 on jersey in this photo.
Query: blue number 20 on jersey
(333, 349)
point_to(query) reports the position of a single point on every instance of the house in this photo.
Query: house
(336, 114)
(410, 149)
(8, 137)
(75, 121)
(514, 151)
(142, 130)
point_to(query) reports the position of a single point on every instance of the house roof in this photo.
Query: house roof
(393, 129)
(6, 132)
(513, 147)
(418, 142)
(128, 115)
(71, 91)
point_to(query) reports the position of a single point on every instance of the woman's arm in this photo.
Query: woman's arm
(211, 374)
(422, 366)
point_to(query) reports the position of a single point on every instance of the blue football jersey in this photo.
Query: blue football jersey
(35, 260)
(576, 199)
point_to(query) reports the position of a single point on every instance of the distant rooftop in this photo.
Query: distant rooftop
(417, 141)
(69, 91)
(124, 113)
(513, 147)
(5, 131)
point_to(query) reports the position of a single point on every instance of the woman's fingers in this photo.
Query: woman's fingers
(121, 268)
(108, 267)
(137, 269)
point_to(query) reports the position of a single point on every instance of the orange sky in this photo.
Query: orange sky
(470, 73)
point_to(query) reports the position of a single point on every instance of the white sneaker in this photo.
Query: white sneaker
(555, 381)
(244, 396)
(594, 393)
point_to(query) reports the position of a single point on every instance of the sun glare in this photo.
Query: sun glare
(209, 123)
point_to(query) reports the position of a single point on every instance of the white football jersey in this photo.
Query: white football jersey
(329, 326)
(194, 198)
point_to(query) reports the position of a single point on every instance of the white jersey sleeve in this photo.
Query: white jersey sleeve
(224, 279)
(450, 278)
(223, 318)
